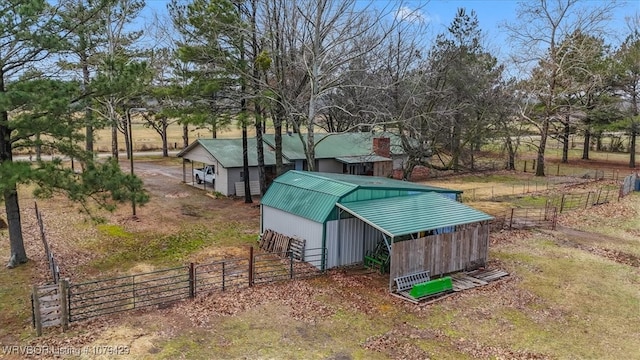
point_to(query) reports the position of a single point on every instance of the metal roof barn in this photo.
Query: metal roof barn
(348, 216)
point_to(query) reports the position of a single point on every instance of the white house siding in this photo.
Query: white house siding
(233, 176)
(330, 166)
(199, 154)
(353, 242)
(295, 226)
(222, 183)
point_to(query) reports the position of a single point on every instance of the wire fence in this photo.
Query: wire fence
(91, 299)
(54, 269)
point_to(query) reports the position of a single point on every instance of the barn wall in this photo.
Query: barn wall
(465, 249)
(292, 225)
(349, 246)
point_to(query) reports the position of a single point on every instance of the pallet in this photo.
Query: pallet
(463, 281)
(280, 244)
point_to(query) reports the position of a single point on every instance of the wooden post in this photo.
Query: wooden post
(558, 171)
(511, 219)
(586, 203)
(63, 291)
(36, 309)
(562, 203)
(250, 265)
(525, 166)
(290, 264)
(192, 281)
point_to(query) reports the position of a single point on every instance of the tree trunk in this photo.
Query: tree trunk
(587, 144)
(18, 253)
(185, 136)
(277, 125)
(114, 142)
(632, 148)
(88, 114)
(565, 141)
(511, 153)
(165, 144)
(541, 149)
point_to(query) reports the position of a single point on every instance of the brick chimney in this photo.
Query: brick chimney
(382, 147)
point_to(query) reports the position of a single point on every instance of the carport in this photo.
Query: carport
(441, 237)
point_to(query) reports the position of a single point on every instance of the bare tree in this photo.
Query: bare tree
(537, 37)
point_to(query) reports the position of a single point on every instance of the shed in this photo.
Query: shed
(344, 216)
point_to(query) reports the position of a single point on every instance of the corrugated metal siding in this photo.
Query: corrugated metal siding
(292, 225)
(411, 214)
(355, 239)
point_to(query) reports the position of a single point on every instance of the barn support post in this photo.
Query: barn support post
(338, 240)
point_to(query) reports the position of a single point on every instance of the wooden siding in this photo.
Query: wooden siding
(465, 249)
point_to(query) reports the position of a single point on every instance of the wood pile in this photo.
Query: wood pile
(274, 242)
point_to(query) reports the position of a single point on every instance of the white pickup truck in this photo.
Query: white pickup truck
(206, 174)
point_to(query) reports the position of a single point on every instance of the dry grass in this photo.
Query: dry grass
(562, 300)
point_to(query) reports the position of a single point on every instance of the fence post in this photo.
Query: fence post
(223, 277)
(36, 309)
(192, 281)
(511, 219)
(525, 166)
(250, 265)
(290, 264)
(63, 289)
(558, 171)
(586, 203)
(562, 203)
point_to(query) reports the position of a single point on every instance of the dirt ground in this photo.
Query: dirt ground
(344, 315)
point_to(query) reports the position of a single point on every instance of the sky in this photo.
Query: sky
(491, 13)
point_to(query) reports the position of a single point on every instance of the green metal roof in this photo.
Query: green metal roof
(314, 195)
(305, 194)
(383, 182)
(333, 145)
(228, 152)
(411, 214)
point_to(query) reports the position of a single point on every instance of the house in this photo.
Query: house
(344, 217)
(356, 153)
(349, 153)
(225, 155)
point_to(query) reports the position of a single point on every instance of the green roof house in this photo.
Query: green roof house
(343, 217)
(350, 153)
(356, 153)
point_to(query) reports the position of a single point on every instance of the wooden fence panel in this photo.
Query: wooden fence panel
(464, 249)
